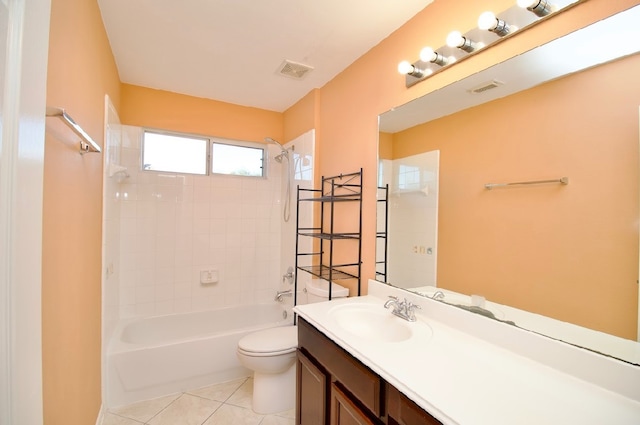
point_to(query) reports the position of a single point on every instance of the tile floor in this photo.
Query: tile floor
(228, 403)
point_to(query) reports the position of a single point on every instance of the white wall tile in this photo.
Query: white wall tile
(164, 292)
(171, 226)
(164, 307)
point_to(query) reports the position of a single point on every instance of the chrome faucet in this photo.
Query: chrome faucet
(288, 276)
(404, 309)
(438, 295)
(281, 294)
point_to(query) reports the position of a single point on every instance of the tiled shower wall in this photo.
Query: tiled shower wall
(173, 226)
(111, 224)
(412, 220)
(302, 174)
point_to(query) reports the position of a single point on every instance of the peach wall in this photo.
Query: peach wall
(81, 71)
(555, 250)
(344, 114)
(145, 107)
(385, 145)
(350, 103)
(301, 117)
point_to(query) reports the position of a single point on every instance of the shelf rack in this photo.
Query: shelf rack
(382, 232)
(335, 192)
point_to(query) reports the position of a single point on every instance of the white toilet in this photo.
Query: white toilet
(271, 354)
(318, 291)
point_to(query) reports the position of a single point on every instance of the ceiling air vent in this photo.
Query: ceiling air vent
(489, 85)
(294, 70)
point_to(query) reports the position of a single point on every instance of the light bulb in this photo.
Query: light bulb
(539, 7)
(487, 21)
(405, 67)
(427, 54)
(455, 39)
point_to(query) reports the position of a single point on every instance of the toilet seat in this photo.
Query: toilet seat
(270, 342)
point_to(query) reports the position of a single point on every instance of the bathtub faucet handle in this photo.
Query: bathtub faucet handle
(288, 276)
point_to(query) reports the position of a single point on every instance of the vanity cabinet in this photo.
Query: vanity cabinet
(344, 410)
(334, 388)
(312, 383)
(402, 411)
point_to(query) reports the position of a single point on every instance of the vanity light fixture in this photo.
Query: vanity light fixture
(427, 54)
(456, 39)
(539, 7)
(406, 68)
(491, 28)
(488, 21)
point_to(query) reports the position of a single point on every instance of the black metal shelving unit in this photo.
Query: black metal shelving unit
(382, 232)
(338, 195)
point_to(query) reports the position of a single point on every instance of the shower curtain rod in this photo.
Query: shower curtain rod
(86, 142)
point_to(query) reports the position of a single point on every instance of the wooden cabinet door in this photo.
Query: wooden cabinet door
(344, 411)
(403, 411)
(311, 394)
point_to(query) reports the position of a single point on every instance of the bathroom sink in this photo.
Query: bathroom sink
(371, 322)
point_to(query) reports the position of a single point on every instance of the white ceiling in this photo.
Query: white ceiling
(231, 50)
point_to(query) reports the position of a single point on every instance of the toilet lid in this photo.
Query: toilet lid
(284, 338)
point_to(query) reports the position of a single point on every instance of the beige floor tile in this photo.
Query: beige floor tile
(186, 410)
(277, 420)
(112, 419)
(228, 414)
(243, 395)
(219, 392)
(287, 414)
(145, 410)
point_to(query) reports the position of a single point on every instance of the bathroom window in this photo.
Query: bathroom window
(187, 154)
(174, 153)
(237, 158)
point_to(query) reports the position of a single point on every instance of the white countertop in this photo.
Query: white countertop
(460, 378)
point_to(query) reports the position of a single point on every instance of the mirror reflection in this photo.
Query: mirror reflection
(568, 253)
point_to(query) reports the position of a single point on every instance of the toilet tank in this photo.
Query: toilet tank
(318, 290)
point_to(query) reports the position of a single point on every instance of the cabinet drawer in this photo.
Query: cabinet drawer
(355, 377)
(403, 411)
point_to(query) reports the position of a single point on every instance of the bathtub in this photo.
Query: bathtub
(156, 356)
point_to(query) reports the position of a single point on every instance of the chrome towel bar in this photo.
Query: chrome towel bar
(86, 142)
(561, 180)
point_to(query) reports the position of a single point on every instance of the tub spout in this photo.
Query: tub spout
(281, 294)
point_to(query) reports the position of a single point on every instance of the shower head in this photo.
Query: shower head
(283, 154)
(270, 140)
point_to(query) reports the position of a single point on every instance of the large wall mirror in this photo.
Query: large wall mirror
(558, 256)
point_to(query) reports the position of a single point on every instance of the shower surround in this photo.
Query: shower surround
(173, 226)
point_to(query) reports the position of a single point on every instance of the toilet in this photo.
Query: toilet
(318, 291)
(271, 355)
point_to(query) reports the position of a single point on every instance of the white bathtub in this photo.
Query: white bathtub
(162, 355)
